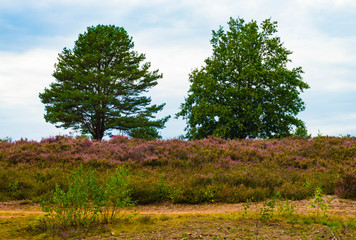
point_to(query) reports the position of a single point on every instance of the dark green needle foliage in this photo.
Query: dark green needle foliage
(245, 88)
(99, 86)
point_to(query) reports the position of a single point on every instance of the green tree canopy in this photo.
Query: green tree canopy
(99, 86)
(245, 88)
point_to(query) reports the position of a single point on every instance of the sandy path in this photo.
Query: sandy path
(336, 206)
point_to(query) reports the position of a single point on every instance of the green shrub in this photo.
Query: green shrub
(115, 195)
(86, 203)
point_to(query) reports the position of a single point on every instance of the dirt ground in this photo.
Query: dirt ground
(337, 206)
(197, 226)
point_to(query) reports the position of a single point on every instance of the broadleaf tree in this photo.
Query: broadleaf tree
(100, 84)
(245, 89)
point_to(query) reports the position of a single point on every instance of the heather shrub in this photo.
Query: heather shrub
(346, 185)
(144, 190)
(154, 162)
(165, 191)
(295, 190)
(201, 189)
(206, 170)
(324, 179)
(226, 193)
(241, 193)
(190, 194)
(150, 186)
(24, 182)
(257, 194)
(5, 180)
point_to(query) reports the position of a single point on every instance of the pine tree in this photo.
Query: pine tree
(99, 86)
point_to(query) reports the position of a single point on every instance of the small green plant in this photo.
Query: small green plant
(287, 209)
(318, 202)
(185, 236)
(86, 203)
(246, 206)
(267, 211)
(74, 207)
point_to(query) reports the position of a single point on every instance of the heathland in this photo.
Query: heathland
(211, 170)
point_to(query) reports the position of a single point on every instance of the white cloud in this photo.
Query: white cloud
(320, 4)
(340, 124)
(24, 75)
(329, 63)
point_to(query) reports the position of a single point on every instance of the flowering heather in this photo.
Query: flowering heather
(211, 169)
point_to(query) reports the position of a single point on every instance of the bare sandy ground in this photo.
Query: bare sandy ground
(336, 206)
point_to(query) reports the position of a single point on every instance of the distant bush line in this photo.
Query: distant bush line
(200, 171)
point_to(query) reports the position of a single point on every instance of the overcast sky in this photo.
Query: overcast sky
(175, 37)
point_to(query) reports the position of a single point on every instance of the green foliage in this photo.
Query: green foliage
(244, 89)
(246, 206)
(302, 132)
(164, 191)
(148, 133)
(267, 210)
(86, 203)
(319, 202)
(116, 195)
(287, 209)
(13, 187)
(99, 86)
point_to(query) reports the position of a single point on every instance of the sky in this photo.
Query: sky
(175, 36)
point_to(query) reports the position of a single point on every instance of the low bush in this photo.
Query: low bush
(87, 203)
